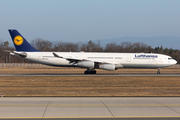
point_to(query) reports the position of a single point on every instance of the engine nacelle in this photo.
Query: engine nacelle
(109, 67)
(86, 64)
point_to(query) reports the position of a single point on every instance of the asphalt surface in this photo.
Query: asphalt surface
(90, 107)
(150, 74)
(95, 119)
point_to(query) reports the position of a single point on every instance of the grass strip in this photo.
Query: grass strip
(89, 86)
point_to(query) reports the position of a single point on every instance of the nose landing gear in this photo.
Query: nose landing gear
(88, 71)
(158, 72)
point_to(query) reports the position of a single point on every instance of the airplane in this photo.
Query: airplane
(89, 60)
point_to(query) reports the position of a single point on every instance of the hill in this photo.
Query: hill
(165, 41)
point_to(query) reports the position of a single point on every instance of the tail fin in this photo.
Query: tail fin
(20, 42)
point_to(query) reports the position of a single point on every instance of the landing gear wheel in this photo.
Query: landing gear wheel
(93, 72)
(90, 72)
(86, 72)
(158, 72)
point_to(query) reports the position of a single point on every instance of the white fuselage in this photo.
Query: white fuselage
(121, 60)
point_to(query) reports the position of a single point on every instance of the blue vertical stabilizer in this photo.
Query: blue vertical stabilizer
(20, 42)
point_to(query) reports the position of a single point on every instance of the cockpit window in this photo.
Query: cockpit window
(170, 58)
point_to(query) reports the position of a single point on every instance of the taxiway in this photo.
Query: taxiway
(90, 107)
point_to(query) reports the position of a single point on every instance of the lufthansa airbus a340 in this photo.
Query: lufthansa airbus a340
(89, 60)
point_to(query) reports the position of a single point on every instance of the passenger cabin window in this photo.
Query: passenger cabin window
(169, 58)
(101, 57)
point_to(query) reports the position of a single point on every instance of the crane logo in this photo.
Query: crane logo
(18, 40)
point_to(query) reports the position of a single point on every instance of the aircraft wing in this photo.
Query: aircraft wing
(71, 59)
(68, 58)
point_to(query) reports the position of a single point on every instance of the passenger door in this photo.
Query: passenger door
(128, 58)
(161, 59)
(40, 57)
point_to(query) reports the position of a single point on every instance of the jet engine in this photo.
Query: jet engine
(86, 64)
(109, 67)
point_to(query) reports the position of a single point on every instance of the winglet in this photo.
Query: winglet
(55, 55)
(20, 42)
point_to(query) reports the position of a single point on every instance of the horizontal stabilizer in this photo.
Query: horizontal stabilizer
(7, 51)
(21, 54)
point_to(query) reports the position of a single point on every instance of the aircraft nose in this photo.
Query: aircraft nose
(174, 61)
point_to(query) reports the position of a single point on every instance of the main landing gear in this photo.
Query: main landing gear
(88, 71)
(158, 72)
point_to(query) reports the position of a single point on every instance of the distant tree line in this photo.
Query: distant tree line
(45, 45)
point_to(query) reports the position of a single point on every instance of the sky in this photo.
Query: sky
(83, 20)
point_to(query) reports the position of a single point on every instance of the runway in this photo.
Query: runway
(90, 107)
(98, 75)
